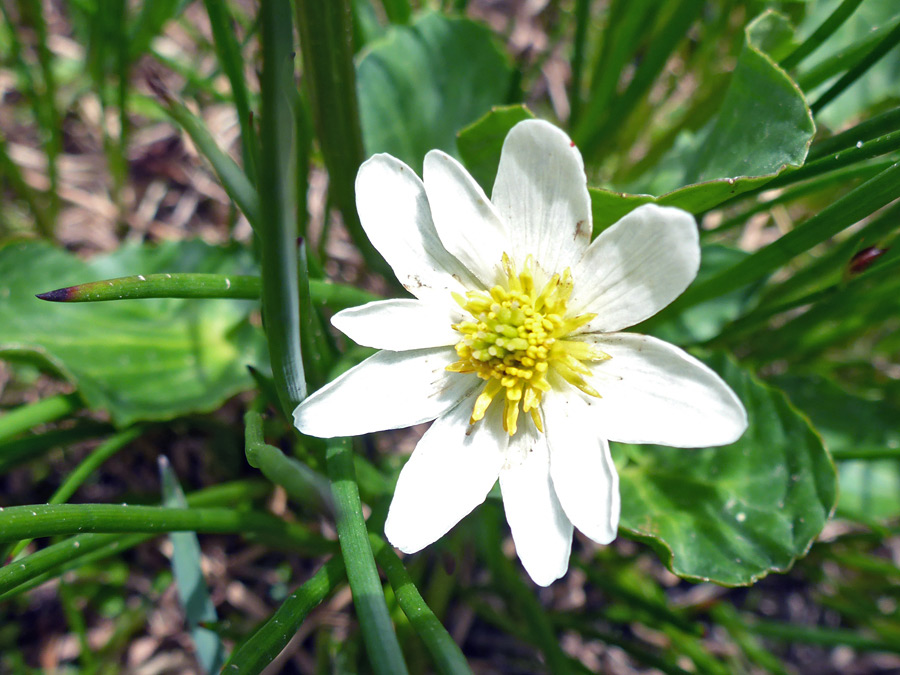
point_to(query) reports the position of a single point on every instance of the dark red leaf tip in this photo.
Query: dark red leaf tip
(59, 295)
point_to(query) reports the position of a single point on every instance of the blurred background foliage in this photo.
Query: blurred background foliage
(173, 151)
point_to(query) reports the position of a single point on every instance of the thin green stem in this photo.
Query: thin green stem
(446, 653)
(46, 410)
(90, 464)
(266, 643)
(200, 285)
(878, 51)
(229, 52)
(301, 483)
(57, 558)
(277, 235)
(368, 595)
(329, 76)
(48, 520)
(834, 21)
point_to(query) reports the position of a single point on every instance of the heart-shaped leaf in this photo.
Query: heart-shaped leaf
(420, 84)
(151, 359)
(732, 514)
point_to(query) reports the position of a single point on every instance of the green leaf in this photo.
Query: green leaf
(421, 83)
(732, 514)
(193, 593)
(764, 124)
(763, 128)
(480, 143)
(147, 360)
(851, 427)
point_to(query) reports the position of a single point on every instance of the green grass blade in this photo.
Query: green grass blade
(368, 595)
(880, 125)
(886, 44)
(233, 179)
(276, 233)
(849, 209)
(592, 137)
(193, 593)
(48, 520)
(326, 44)
(200, 286)
(845, 58)
(48, 116)
(266, 643)
(19, 450)
(62, 556)
(446, 653)
(834, 21)
(582, 19)
(521, 600)
(81, 473)
(46, 410)
(229, 52)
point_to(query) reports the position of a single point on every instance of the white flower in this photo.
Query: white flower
(513, 346)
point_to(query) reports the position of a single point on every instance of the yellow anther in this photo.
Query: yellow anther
(516, 335)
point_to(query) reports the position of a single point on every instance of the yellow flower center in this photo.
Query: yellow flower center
(518, 336)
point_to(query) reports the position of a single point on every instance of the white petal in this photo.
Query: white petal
(583, 473)
(654, 392)
(450, 472)
(389, 390)
(541, 192)
(636, 267)
(398, 325)
(394, 212)
(540, 529)
(465, 219)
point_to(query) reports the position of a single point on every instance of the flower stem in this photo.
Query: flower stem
(368, 594)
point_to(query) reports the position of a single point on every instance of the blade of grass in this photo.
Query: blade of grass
(845, 58)
(619, 42)
(19, 450)
(838, 178)
(326, 44)
(200, 285)
(582, 18)
(671, 29)
(827, 28)
(47, 520)
(880, 125)
(846, 211)
(261, 648)
(81, 473)
(446, 653)
(228, 51)
(233, 179)
(22, 189)
(32, 14)
(886, 44)
(519, 597)
(193, 593)
(276, 232)
(819, 635)
(57, 558)
(368, 595)
(25, 417)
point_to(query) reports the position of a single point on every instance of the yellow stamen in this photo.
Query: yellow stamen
(517, 335)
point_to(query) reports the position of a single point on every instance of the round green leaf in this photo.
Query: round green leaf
(150, 359)
(732, 514)
(420, 84)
